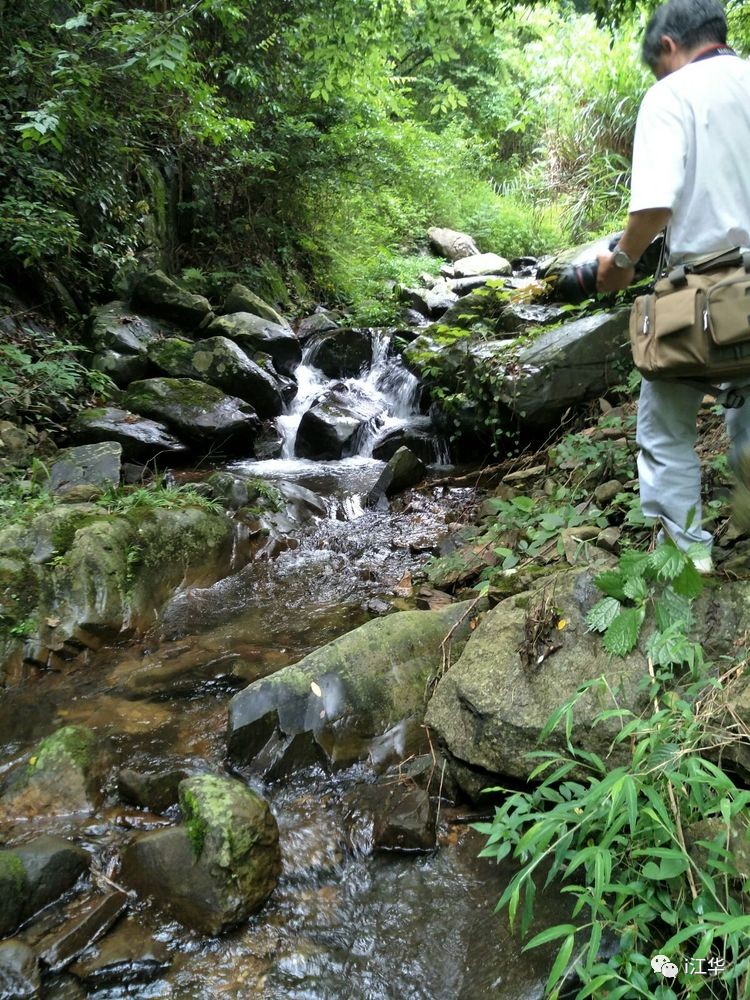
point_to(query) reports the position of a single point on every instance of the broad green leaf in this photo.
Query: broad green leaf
(550, 934)
(601, 616)
(561, 961)
(636, 589)
(622, 634)
(689, 583)
(612, 583)
(667, 561)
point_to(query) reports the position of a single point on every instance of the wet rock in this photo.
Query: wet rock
(121, 368)
(158, 295)
(269, 443)
(86, 921)
(156, 677)
(516, 317)
(221, 363)
(345, 694)
(430, 599)
(402, 471)
(128, 955)
(241, 299)
(432, 302)
(141, 440)
(53, 866)
(462, 286)
(301, 503)
(483, 263)
(256, 334)
(13, 890)
(61, 777)
(422, 442)
(198, 412)
(413, 318)
(342, 353)
(490, 707)
(330, 429)
(400, 818)
(230, 846)
(452, 244)
(429, 771)
(88, 464)
(19, 973)
(319, 322)
(155, 791)
(118, 328)
(286, 384)
(479, 311)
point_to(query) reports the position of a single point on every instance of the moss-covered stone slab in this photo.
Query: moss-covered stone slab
(218, 868)
(255, 333)
(335, 702)
(141, 440)
(198, 412)
(242, 299)
(220, 362)
(158, 295)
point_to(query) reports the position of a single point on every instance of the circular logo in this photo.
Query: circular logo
(659, 961)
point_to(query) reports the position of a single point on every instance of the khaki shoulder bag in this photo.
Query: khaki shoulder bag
(695, 324)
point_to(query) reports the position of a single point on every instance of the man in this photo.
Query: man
(690, 174)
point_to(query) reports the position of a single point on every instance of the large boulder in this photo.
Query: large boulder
(198, 412)
(342, 353)
(121, 368)
(402, 471)
(254, 333)
(338, 701)
(452, 244)
(332, 427)
(481, 264)
(87, 465)
(229, 845)
(241, 299)
(431, 302)
(117, 327)
(158, 295)
(141, 440)
(490, 708)
(221, 363)
(421, 440)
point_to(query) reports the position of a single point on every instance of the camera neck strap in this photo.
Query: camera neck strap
(715, 50)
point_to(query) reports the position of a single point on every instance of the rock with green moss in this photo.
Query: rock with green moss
(490, 707)
(338, 700)
(141, 440)
(158, 295)
(241, 299)
(121, 368)
(62, 777)
(253, 333)
(13, 891)
(198, 412)
(36, 874)
(218, 868)
(221, 363)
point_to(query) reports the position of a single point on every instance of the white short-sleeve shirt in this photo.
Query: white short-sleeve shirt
(692, 154)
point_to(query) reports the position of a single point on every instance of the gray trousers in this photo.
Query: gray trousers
(668, 468)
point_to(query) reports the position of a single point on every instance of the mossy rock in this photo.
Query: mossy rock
(241, 299)
(335, 702)
(158, 295)
(62, 777)
(13, 891)
(229, 843)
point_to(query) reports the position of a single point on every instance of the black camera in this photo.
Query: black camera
(577, 282)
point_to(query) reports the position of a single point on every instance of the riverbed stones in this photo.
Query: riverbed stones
(159, 295)
(400, 817)
(229, 844)
(52, 865)
(220, 362)
(242, 299)
(61, 777)
(402, 471)
(86, 920)
(419, 440)
(128, 954)
(342, 353)
(335, 702)
(19, 972)
(253, 333)
(121, 368)
(319, 322)
(141, 439)
(86, 465)
(431, 302)
(198, 412)
(156, 791)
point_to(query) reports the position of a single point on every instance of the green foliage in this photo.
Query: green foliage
(666, 581)
(37, 369)
(121, 499)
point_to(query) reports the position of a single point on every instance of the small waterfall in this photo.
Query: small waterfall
(391, 393)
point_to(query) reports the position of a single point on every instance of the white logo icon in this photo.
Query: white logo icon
(662, 964)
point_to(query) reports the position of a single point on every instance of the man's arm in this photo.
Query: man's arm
(640, 231)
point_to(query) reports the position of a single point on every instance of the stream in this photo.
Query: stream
(344, 922)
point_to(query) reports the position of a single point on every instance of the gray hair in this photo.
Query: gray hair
(687, 22)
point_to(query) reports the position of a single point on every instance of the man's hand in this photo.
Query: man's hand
(609, 277)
